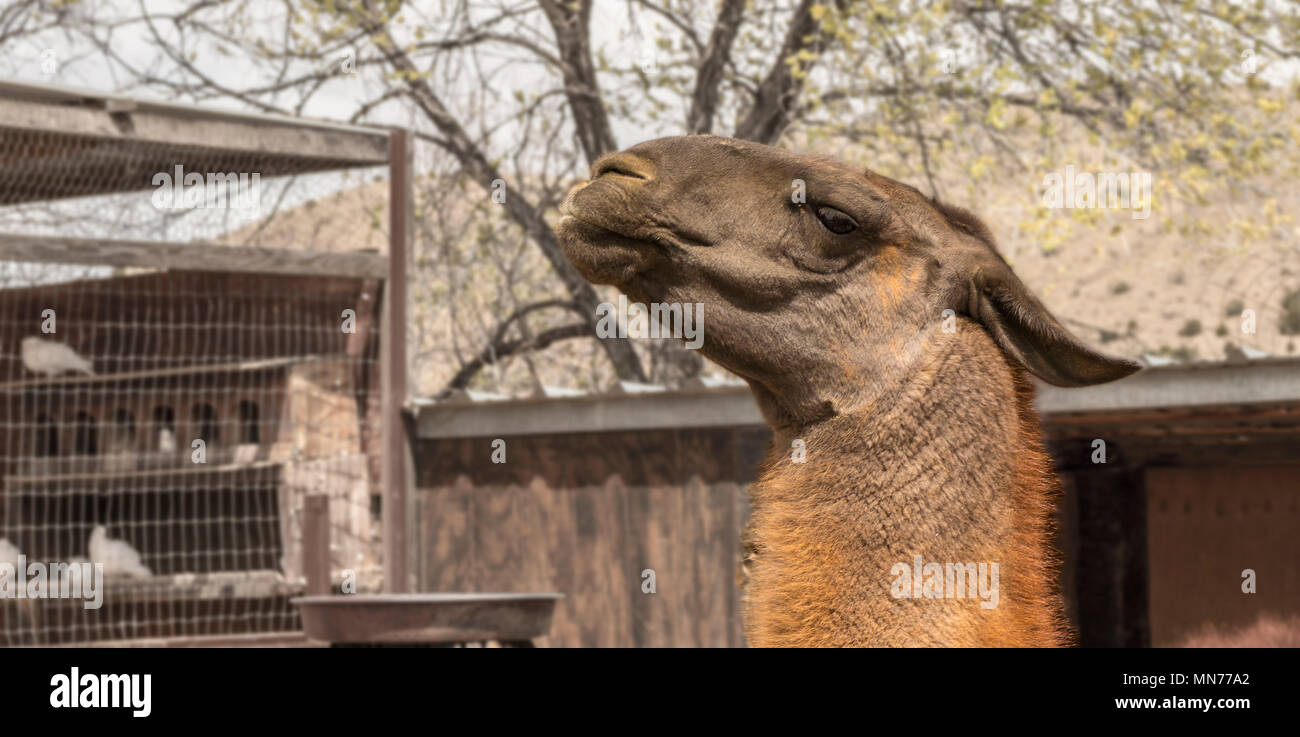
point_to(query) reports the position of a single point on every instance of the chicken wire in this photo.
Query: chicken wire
(165, 423)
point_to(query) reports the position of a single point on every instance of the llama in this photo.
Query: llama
(881, 333)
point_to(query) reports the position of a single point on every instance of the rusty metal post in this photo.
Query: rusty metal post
(395, 477)
(316, 544)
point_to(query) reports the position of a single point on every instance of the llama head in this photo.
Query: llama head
(809, 270)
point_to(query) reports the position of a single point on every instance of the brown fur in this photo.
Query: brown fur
(920, 440)
(953, 473)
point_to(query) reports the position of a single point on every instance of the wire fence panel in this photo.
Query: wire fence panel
(165, 423)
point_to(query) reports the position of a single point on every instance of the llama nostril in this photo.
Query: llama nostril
(624, 165)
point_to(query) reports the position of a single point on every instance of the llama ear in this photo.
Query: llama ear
(1023, 327)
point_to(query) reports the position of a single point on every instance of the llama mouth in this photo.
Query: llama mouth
(596, 233)
(588, 213)
(593, 233)
(662, 240)
(601, 255)
(583, 222)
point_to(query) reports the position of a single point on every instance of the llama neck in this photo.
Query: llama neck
(953, 472)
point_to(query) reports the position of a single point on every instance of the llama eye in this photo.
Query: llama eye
(836, 221)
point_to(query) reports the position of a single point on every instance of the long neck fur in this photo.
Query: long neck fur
(953, 470)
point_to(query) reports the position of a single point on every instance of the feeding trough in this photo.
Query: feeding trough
(412, 619)
(408, 619)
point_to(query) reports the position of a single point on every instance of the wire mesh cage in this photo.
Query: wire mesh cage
(185, 354)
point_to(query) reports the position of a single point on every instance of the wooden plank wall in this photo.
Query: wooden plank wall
(585, 515)
(1102, 538)
(1206, 526)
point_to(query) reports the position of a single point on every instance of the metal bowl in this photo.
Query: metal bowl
(426, 618)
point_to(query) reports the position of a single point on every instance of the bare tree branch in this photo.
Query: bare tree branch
(476, 164)
(505, 348)
(570, 21)
(704, 101)
(778, 95)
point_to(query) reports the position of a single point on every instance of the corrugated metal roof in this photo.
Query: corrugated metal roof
(58, 142)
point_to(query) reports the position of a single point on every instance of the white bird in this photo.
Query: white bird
(166, 440)
(9, 553)
(52, 358)
(117, 556)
